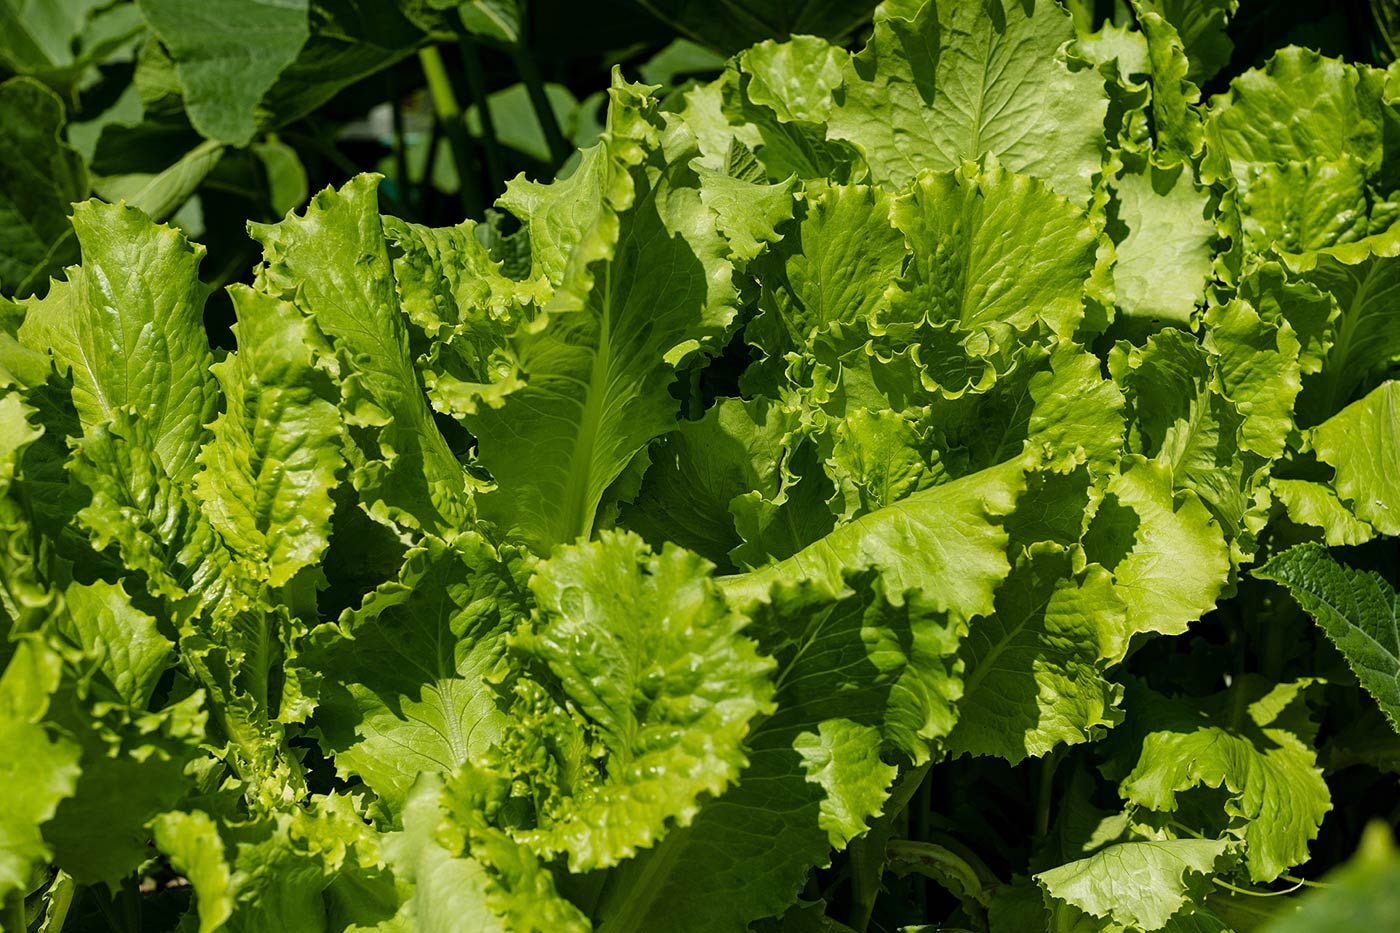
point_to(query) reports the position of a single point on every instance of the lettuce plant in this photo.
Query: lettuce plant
(833, 447)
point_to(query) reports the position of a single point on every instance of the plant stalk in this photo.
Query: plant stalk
(476, 83)
(15, 918)
(403, 185)
(559, 148)
(449, 115)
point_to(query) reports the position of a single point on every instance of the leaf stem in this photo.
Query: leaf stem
(1044, 792)
(559, 148)
(476, 83)
(449, 114)
(14, 913)
(867, 857)
(1245, 891)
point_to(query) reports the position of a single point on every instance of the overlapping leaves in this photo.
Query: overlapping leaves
(867, 411)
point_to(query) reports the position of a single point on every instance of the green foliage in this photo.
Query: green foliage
(847, 494)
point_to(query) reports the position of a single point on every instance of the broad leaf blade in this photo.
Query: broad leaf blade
(271, 463)
(130, 326)
(641, 277)
(942, 82)
(1358, 611)
(43, 176)
(228, 53)
(333, 264)
(1138, 884)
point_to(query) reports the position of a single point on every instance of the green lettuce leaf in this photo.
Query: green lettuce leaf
(855, 673)
(1273, 794)
(1164, 232)
(941, 82)
(1167, 555)
(774, 100)
(662, 687)
(699, 473)
(1257, 362)
(1364, 336)
(1362, 443)
(192, 842)
(125, 643)
(41, 768)
(154, 523)
(827, 277)
(406, 474)
(461, 299)
(1303, 187)
(129, 327)
(1201, 25)
(1184, 422)
(880, 457)
(946, 542)
(412, 662)
(992, 246)
(520, 885)
(641, 277)
(1140, 884)
(1301, 206)
(274, 454)
(1318, 504)
(133, 764)
(1299, 106)
(1034, 676)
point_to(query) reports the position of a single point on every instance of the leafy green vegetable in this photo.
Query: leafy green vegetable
(854, 472)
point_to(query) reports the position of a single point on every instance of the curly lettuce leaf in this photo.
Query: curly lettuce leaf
(1243, 743)
(641, 278)
(411, 667)
(272, 461)
(828, 275)
(856, 674)
(133, 767)
(1183, 421)
(129, 327)
(1141, 884)
(1363, 339)
(947, 542)
(1167, 555)
(1164, 234)
(1363, 444)
(1034, 667)
(941, 82)
(989, 245)
(41, 768)
(656, 681)
(711, 480)
(332, 263)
